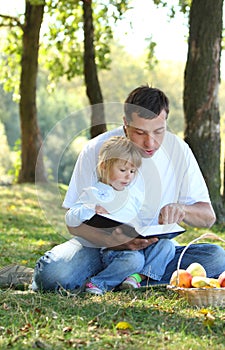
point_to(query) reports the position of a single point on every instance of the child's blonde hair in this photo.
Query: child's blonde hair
(115, 149)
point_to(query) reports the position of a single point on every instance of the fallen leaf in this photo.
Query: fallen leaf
(5, 306)
(124, 325)
(26, 327)
(67, 329)
(209, 320)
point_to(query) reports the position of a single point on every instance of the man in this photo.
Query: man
(174, 190)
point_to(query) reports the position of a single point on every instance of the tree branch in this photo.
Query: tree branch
(12, 21)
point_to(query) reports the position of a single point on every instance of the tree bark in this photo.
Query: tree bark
(93, 88)
(224, 180)
(32, 160)
(201, 84)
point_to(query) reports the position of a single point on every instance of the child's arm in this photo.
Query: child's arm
(81, 211)
(100, 210)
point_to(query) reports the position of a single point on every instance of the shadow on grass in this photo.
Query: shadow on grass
(153, 314)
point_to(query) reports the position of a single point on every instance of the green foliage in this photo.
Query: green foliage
(64, 40)
(158, 318)
(37, 2)
(166, 75)
(62, 151)
(5, 156)
(57, 101)
(184, 6)
(151, 58)
(62, 116)
(63, 112)
(16, 166)
(10, 61)
(9, 116)
(70, 155)
(63, 45)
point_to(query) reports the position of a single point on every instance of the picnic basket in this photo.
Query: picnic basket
(200, 296)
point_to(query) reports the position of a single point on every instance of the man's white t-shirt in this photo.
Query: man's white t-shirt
(172, 175)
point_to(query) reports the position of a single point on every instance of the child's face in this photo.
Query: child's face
(121, 174)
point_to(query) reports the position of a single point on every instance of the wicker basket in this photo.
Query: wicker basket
(200, 296)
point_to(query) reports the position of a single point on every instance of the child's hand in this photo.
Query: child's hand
(100, 210)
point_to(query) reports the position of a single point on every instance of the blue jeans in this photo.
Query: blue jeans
(70, 264)
(118, 265)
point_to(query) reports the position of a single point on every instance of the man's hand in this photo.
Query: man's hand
(116, 240)
(199, 214)
(172, 213)
(133, 244)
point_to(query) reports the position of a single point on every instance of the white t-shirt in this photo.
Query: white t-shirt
(172, 175)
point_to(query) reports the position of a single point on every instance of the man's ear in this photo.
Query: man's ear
(125, 123)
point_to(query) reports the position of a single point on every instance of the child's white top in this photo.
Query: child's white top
(122, 206)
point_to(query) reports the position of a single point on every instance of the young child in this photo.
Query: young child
(116, 197)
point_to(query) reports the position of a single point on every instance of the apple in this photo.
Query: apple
(200, 282)
(181, 278)
(196, 269)
(204, 282)
(221, 279)
(214, 283)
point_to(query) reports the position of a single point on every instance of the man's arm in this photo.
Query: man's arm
(199, 214)
(115, 240)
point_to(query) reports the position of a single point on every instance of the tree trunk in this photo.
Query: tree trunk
(93, 89)
(30, 133)
(201, 84)
(224, 180)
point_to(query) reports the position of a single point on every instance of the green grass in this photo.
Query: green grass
(158, 318)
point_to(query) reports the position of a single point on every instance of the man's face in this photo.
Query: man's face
(147, 134)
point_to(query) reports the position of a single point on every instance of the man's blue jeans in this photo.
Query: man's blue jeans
(70, 264)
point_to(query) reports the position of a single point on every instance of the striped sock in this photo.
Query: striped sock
(137, 277)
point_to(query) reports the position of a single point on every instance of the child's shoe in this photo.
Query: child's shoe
(131, 282)
(93, 289)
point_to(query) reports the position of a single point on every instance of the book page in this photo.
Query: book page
(160, 229)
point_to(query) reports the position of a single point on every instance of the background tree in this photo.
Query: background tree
(31, 140)
(66, 10)
(93, 89)
(86, 53)
(28, 53)
(201, 86)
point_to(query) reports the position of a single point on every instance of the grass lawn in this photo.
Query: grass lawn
(32, 222)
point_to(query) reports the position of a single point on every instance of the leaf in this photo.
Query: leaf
(204, 311)
(26, 327)
(209, 320)
(5, 306)
(67, 329)
(124, 325)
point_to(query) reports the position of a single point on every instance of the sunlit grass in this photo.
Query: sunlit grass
(157, 318)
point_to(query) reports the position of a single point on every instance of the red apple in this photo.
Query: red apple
(221, 279)
(181, 278)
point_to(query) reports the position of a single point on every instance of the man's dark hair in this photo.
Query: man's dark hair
(147, 102)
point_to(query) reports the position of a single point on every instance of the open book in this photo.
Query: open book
(160, 231)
